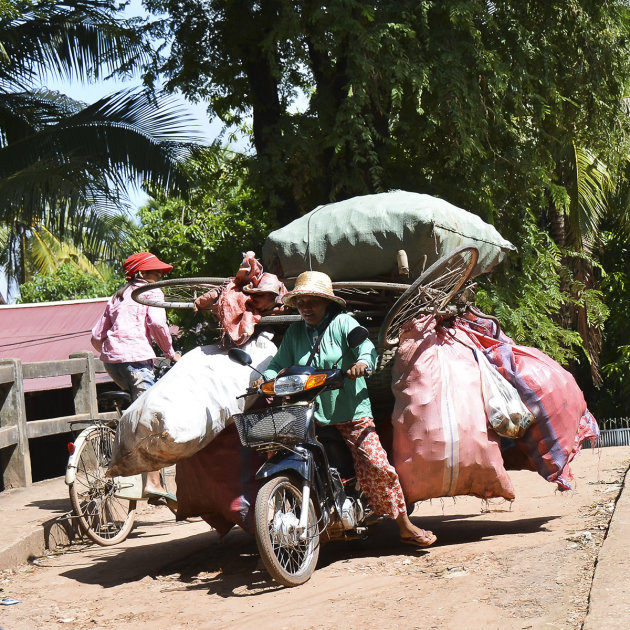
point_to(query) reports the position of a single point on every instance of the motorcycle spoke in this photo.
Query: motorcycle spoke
(288, 558)
(290, 553)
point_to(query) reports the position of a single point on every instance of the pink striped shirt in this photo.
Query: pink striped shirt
(126, 329)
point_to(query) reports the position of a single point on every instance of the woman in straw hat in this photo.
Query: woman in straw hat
(349, 408)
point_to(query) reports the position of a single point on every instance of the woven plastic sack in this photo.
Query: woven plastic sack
(552, 395)
(218, 483)
(359, 238)
(186, 408)
(442, 445)
(506, 413)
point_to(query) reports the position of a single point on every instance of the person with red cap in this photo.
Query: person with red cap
(124, 335)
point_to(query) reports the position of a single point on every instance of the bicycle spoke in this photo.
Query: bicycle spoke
(430, 293)
(103, 516)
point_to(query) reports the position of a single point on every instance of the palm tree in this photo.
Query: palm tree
(576, 214)
(60, 159)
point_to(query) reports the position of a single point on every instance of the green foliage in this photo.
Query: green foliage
(473, 101)
(68, 282)
(526, 295)
(614, 398)
(207, 234)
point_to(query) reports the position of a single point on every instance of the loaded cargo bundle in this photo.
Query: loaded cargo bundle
(218, 483)
(187, 408)
(562, 421)
(359, 238)
(442, 443)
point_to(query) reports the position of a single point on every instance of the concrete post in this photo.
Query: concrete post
(15, 459)
(84, 386)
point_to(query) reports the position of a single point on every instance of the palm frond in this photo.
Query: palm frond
(121, 137)
(593, 184)
(75, 40)
(48, 253)
(23, 114)
(94, 235)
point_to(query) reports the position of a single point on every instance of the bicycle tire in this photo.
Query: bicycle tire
(104, 518)
(430, 293)
(179, 293)
(367, 285)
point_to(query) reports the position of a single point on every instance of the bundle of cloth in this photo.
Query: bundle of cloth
(234, 305)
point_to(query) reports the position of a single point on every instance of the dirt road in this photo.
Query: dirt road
(524, 566)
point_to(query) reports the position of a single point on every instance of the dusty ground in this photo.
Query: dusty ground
(525, 567)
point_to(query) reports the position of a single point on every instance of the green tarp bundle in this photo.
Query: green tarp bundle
(358, 239)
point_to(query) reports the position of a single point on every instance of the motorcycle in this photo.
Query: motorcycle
(309, 485)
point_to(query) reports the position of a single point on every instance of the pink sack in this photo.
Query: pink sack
(551, 394)
(441, 445)
(218, 483)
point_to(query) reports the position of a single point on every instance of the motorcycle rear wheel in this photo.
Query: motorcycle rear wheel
(289, 560)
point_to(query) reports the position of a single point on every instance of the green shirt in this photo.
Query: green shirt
(339, 405)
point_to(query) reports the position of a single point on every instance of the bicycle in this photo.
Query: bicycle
(365, 300)
(429, 294)
(104, 507)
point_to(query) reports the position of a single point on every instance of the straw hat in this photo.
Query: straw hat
(313, 283)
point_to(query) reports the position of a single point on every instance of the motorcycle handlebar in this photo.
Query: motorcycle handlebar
(248, 392)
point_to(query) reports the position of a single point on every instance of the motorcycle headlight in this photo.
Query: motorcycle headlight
(287, 385)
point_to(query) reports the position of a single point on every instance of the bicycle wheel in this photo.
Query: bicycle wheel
(105, 518)
(430, 293)
(289, 559)
(178, 292)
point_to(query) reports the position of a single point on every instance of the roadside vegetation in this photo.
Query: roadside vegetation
(515, 111)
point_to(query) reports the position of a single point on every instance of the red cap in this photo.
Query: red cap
(144, 261)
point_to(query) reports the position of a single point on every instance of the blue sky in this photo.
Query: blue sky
(91, 92)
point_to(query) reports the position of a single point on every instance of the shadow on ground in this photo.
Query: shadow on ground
(231, 567)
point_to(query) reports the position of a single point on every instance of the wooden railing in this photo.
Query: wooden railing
(15, 430)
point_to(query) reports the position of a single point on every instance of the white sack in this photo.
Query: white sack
(506, 412)
(186, 408)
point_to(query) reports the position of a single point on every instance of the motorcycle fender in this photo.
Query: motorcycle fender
(302, 465)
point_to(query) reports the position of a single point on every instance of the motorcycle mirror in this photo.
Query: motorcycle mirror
(357, 336)
(239, 356)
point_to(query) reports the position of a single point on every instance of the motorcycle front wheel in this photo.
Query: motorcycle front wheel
(289, 558)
